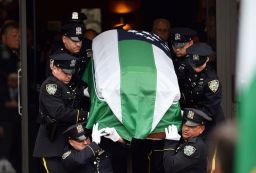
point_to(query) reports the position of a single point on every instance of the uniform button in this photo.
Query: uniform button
(94, 163)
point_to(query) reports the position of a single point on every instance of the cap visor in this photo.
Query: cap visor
(82, 137)
(190, 123)
(69, 71)
(75, 38)
(179, 44)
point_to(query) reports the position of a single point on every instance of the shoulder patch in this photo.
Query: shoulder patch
(51, 88)
(66, 154)
(213, 85)
(189, 150)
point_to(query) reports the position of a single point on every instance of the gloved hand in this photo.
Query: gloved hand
(171, 133)
(112, 134)
(182, 112)
(96, 133)
(86, 92)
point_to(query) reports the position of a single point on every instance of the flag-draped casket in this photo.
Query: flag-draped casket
(132, 84)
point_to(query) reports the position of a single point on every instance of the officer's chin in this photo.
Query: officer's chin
(66, 82)
(179, 55)
(76, 50)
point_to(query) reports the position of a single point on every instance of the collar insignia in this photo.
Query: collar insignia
(66, 154)
(73, 63)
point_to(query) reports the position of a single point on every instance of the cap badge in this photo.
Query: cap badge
(75, 15)
(79, 128)
(177, 36)
(51, 88)
(190, 115)
(78, 30)
(73, 63)
(195, 57)
(189, 150)
(213, 85)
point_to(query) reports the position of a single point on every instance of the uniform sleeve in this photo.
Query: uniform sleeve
(213, 96)
(181, 161)
(75, 159)
(55, 107)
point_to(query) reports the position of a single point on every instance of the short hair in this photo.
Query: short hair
(9, 25)
(158, 20)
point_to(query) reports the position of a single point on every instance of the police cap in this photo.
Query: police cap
(64, 61)
(199, 53)
(195, 117)
(181, 35)
(73, 30)
(77, 132)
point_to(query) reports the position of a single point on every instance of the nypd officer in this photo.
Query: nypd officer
(181, 39)
(190, 153)
(56, 112)
(73, 43)
(202, 88)
(82, 155)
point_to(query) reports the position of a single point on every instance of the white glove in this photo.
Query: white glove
(112, 134)
(171, 133)
(86, 92)
(182, 112)
(96, 133)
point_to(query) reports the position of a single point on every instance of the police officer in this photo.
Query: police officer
(82, 155)
(181, 39)
(74, 43)
(189, 154)
(202, 88)
(56, 112)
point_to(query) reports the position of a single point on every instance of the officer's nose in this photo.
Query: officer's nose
(85, 142)
(78, 43)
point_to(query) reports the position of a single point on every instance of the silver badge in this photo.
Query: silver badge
(213, 85)
(66, 154)
(190, 115)
(51, 88)
(79, 128)
(75, 15)
(177, 36)
(195, 57)
(78, 30)
(73, 63)
(189, 150)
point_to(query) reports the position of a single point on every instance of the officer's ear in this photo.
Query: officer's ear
(3, 38)
(190, 42)
(64, 39)
(207, 59)
(202, 128)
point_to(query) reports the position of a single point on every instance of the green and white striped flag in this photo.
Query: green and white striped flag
(135, 77)
(246, 90)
